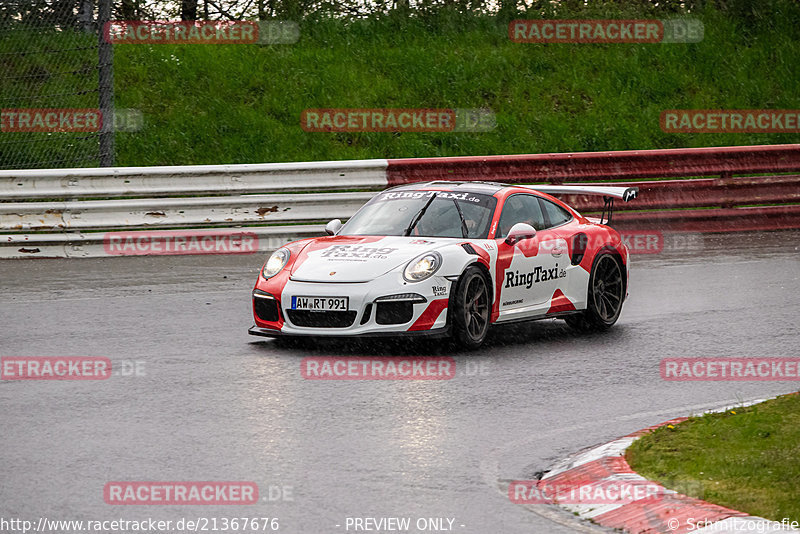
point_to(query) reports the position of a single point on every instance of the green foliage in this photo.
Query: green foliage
(45, 68)
(242, 103)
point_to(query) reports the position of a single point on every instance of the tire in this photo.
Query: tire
(471, 305)
(606, 293)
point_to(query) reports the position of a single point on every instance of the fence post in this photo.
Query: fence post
(106, 86)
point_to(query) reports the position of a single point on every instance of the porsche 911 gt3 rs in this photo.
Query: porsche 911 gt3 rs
(448, 259)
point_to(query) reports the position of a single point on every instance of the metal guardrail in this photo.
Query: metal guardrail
(600, 166)
(79, 212)
(196, 212)
(703, 192)
(194, 180)
(734, 201)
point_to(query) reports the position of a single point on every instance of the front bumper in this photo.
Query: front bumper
(429, 334)
(368, 313)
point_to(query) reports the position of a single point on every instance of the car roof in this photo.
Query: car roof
(498, 190)
(487, 188)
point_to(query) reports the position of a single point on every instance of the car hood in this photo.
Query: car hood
(358, 258)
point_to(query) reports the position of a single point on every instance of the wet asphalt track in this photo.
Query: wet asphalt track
(217, 404)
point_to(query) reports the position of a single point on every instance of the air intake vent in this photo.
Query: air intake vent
(321, 319)
(579, 244)
(399, 312)
(367, 313)
(265, 306)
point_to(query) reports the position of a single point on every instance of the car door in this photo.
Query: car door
(529, 271)
(574, 287)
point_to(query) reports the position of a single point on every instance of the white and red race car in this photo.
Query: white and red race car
(448, 258)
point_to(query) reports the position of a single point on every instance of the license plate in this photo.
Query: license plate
(320, 303)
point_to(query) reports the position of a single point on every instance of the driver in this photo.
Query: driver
(516, 210)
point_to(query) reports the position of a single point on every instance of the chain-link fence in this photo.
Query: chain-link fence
(57, 84)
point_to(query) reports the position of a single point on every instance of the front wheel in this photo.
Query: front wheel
(606, 294)
(471, 308)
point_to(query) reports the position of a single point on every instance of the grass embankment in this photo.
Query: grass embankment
(47, 69)
(747, 459)
(242, 103)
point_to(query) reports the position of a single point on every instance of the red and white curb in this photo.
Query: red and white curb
(666, 512)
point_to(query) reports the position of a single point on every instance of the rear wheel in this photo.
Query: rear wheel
(471, 308)
(606, 294)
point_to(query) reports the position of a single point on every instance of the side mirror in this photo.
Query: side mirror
(519, 232)
(333, 227)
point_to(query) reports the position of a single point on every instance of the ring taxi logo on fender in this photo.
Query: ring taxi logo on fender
(538, 274)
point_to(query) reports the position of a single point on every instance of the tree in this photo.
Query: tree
(64, 12)
(129, 10)
(188, 9)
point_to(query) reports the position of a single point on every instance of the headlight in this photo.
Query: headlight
(275, 263)
(422, 267)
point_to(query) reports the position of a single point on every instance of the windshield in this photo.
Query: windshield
(391, 213)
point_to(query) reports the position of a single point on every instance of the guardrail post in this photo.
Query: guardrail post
(725, 178)
(106, 86)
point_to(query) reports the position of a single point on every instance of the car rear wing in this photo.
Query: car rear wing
(608, 192)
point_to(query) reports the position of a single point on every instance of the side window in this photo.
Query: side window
(556, 215)
(520, 208)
